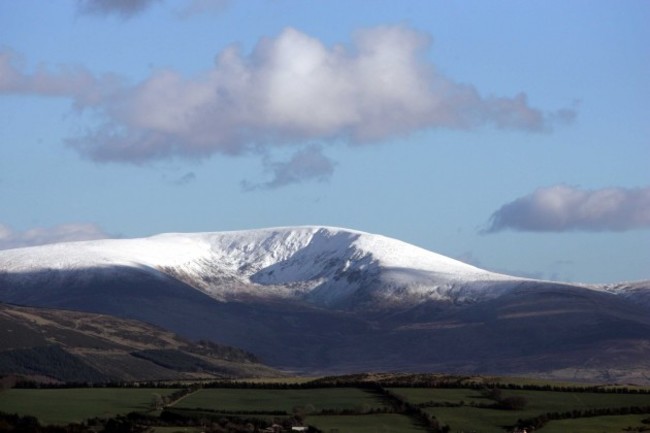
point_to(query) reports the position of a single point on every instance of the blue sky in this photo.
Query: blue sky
(511, 135)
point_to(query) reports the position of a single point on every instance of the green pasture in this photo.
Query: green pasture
(548, 401)
(440, 395)
(62, 406)
(597, 424)
(251, 400)
(177, 429)
(379, 423)
(469, 418)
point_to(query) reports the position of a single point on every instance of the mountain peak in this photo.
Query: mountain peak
(318, 264)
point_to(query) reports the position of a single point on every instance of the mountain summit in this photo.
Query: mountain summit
(320, 265)
(321, 299)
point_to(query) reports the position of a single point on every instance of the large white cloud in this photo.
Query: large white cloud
(289, 90)
(293, 88)
(565, 208)
(46, 235)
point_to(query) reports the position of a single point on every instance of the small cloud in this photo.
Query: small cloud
(85, 89)
(123, 8)
(564, 208)
(305, 165)
(201, 7)
(48, 235)
(185, 179)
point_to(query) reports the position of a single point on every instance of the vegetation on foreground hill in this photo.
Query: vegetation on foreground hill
(355, 404)
(72, 346)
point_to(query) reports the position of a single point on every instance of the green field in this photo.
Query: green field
(474, 419)
(62, 406)
(468, 418)
(439, 395)
(382, 423)
(251, 400)
(597, 424)
(350, 408)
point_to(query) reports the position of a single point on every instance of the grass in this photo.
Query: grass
(381, 423)
(597, 424)
(252, 400)
(474, 419)
(468, 418)
(62, 406)
(547, 401)
(440, 395)
(176, 429)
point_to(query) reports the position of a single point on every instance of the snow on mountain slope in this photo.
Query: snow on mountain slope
(636, 291)
(322, 265)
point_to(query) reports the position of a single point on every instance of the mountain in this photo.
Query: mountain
(334, 300)
(321, 266)
(71, 346)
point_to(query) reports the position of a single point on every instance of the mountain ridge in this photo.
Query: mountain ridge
(323, 265)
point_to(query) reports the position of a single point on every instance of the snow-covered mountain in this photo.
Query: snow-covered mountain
(322, 265)
(324, 299)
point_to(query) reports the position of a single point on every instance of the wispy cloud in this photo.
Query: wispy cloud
(46, 235)
(201, 7)
(291, 89)
(85, 89)
(565, 208)
(185, 179)
(123, 8)
(307, 164)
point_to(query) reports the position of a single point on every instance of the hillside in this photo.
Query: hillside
(319, 299)
(71, 346)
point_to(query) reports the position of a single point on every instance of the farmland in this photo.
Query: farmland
(347, 405)
(62, 406)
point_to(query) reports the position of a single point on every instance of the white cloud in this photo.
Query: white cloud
(565, 208)
(47, 235)
(291, 89)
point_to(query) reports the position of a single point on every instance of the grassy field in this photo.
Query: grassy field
(468, 418)
(252, 400)
(597, 424)
(382, 423)
(62, 406)
(177, 429)
(440, 395)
